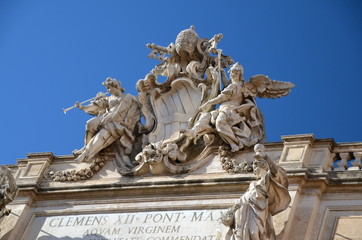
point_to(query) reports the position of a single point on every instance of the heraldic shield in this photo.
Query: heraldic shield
(196, 115)
(174, 109)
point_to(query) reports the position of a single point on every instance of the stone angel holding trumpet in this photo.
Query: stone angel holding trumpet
(116, 117)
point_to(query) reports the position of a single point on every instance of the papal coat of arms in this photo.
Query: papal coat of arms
(179, 125)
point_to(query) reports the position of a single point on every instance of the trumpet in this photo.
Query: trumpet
(99, 96)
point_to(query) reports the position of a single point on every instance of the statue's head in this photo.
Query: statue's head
(260, 165)
(236, 72)
(259, 150)
(261, 168)
(112, 83)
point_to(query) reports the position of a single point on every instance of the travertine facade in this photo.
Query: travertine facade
(324, 184)
(189, 171)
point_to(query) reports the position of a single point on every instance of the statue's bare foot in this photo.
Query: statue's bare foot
(80, 158)
(234, 147)
(77, 152)
(188, 133)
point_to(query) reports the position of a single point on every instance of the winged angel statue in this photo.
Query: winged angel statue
(238, 121)
(173, 127)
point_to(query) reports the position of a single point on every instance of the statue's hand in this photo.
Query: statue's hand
(78, 105)
(227, 218)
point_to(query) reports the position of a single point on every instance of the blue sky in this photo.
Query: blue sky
(53, 53)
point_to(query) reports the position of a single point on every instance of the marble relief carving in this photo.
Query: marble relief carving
(8, 190)
(187, 118)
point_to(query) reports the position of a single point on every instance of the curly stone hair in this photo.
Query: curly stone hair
(111, 82)
(237, 67)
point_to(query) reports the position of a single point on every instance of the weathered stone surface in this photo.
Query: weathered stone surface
(184, 129)
(251, 216)
(171, 176)
(186, 224)
(8, 190)
(319, 196)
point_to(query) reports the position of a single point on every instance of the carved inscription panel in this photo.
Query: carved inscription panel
(161, 225)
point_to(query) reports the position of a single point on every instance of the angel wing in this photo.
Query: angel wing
(263, 87)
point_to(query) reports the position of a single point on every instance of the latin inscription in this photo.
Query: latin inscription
(166, 225)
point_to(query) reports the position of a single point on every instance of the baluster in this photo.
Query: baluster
(342, 165)
(356, 164)
(329, 166)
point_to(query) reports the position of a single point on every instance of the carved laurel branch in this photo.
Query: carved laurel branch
(229, 164)
(76, 175)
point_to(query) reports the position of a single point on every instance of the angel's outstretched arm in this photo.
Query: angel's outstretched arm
(217, 100)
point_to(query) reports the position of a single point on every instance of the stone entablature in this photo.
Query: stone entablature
(302, 152)
(321, 196)
(196, 168)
